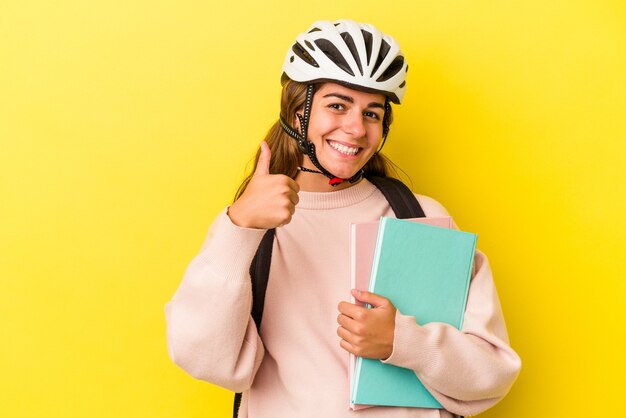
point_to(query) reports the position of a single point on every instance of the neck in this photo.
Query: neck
(314, 182)
(311, 180)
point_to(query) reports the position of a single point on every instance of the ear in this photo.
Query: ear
(296, 119)
(296, 122)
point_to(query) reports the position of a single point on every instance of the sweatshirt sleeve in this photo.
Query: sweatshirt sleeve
(467, 370)
(210, 332)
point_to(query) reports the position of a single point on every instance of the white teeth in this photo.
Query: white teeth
(343, 149)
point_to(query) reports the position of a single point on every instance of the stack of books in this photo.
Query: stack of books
(423, 267)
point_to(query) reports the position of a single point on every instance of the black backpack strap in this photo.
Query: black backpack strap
(259, 274)
(402, 202)
(236, 405)
(400, 197)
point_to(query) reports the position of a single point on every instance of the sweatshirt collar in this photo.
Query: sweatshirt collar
(339, 199)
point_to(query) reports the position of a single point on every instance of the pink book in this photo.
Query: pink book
(362, 246)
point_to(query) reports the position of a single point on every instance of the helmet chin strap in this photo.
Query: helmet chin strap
(307, 147)
(310, 152)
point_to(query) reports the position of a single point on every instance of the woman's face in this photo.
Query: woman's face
(346, 128)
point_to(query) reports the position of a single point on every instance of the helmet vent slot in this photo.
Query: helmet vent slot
(394, 68)
(333, 54)
(367, 37)
(347, 38)
(305, 56)
(382, 53)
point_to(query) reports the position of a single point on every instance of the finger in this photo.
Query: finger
(294, 198)
(352, 311)
(293, 185)
(349, 324)
(263, 164)
(354, 340)
(345, 335)
(347, 346)
(286, 221)
(291, 208)
(371, 298)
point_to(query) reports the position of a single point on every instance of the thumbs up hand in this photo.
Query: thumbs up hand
(269, 201)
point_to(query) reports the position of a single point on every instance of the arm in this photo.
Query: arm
(210, 332)
(467, 370)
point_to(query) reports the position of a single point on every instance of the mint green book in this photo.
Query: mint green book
(425, 272)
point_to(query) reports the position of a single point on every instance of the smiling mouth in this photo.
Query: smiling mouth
(344, 149)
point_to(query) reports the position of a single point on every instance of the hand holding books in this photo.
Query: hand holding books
(367, 332)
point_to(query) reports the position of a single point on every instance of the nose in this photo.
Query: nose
(353, 124)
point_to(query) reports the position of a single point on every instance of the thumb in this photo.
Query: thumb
(263, 164)
(371, 298)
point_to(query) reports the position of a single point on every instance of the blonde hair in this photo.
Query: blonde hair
(286, 157)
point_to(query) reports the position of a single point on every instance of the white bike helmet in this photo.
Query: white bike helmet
(355, 54)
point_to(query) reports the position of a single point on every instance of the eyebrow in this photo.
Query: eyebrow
(351, 100)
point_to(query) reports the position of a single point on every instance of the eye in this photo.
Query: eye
(371, 115)
(336, 106)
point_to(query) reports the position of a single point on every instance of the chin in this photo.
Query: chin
(343, 173)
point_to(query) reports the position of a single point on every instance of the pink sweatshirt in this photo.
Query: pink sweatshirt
(294, 367)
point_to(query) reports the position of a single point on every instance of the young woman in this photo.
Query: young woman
(309, 183)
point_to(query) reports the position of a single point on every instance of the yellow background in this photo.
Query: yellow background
(125, 126)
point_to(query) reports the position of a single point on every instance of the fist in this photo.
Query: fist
(269, 201)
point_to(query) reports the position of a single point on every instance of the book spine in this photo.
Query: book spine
(469, 279)
(352, 261)
(355, 383)
(379, 240)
